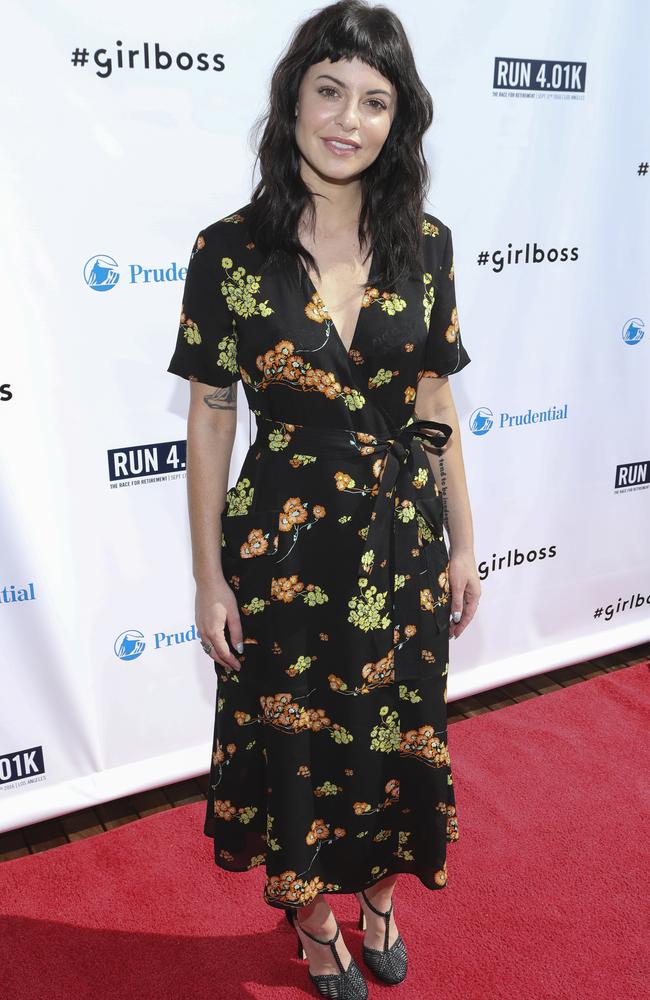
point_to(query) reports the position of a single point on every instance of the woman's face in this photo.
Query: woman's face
(349, 101)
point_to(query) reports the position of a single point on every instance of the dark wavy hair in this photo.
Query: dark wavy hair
(393, 188)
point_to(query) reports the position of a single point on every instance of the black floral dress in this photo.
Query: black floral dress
(330, 763)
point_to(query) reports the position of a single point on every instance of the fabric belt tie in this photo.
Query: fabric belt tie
(402, 516)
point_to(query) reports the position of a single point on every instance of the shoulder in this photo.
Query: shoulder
(436, 237)
(434, 229)
(230, 230)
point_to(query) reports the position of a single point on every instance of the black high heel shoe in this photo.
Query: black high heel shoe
(389, 964)
(348, 984)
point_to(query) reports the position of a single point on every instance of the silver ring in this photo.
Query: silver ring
(206, 646)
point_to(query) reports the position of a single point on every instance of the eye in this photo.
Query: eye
(321, 90)
(380, 106)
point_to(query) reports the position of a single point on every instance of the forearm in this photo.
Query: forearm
(448, 469)
(209, 448)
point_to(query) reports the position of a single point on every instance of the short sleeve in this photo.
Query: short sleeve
(206, 345)
(444, 353)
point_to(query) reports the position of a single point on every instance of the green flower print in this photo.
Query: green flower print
(354, 400)
(366, 610)
(429, 298)
(421, 478)
(402, 850)
(240, 289)
(407, 695)
(302, 663)
(385, 737)
(228, 351)
(239, 498)
(392, 303)
(406, 511)
(424, 528)
(383, 377)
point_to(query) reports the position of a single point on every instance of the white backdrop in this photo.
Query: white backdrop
(108, 173)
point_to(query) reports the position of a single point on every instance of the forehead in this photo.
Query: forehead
(352, 73)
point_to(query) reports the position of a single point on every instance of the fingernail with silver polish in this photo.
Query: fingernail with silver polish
(239, 646)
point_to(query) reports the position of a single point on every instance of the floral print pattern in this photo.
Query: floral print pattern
(330, 763)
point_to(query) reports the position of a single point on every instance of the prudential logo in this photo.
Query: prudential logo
(129, 645)
(101, 272)
(633, 331)
(483, 418)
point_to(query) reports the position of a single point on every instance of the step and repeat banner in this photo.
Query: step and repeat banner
(127, 129)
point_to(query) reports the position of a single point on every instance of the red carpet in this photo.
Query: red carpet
(546, 895)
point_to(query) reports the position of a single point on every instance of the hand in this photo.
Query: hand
(465, 589)
(215, 607)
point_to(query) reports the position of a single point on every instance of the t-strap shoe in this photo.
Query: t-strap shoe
(389, 964)
(348, 984)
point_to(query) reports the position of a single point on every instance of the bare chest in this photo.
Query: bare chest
(342, 284)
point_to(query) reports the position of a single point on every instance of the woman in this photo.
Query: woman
(326, 609)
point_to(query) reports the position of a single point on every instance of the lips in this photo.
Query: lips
(346, 143)
(340, 148)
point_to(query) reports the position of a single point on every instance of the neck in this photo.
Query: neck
(338, 203)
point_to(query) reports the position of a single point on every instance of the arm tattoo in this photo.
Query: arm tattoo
(222, 398)
(443, 490)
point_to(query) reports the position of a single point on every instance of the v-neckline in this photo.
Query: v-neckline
(368, 284)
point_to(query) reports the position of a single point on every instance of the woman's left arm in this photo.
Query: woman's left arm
(435, 402)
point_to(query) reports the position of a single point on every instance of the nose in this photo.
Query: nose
(348, 117)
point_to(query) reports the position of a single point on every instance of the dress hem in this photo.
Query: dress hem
(333, 892)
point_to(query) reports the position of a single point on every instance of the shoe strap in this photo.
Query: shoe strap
(381, 913)
(313, 936)
(331, 942)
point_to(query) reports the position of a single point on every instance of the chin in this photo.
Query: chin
(339, 171)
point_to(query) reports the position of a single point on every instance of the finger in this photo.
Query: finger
(216, 651)
(235, 631)
(221, 648)
(456, 622)
(457, 628)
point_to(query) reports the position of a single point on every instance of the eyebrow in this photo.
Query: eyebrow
(328, 76)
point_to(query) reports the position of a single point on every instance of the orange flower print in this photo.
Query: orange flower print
(224, 810)
(286, 588)
(392, 796)
(451, 332)
(293, 512)
(343, 480)
(426, 600)
(449, 810)
(283, 712)
(441, 876)
(283, 365)
(255, 545)
(292, 890)
(318, 831)
(379, 673)
(424, 744)
(316, 309)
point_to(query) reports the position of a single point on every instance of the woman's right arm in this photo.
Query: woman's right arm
(211, 427)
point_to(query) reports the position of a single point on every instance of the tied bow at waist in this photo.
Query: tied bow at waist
(404, 557)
